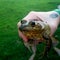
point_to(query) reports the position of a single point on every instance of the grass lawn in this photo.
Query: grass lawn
(11, 11)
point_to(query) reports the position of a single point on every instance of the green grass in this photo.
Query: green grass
(11, 11)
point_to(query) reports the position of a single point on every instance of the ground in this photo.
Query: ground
(12, 11)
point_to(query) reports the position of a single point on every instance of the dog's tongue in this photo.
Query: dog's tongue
(23, 36)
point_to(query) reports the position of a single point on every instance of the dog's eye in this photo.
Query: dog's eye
(23, 21)
(32, 23)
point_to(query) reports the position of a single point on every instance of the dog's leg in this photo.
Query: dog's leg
(55, 43)
(34, 52)
(27, 45)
